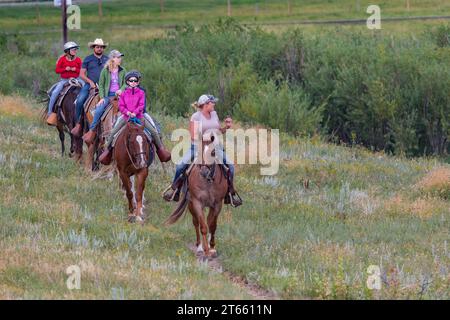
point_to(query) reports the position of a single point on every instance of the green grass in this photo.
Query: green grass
(147, 13)
(360, 209)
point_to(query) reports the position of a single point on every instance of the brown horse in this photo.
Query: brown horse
(102, 130)
(206, 187)
(131, 154)
(66, 122)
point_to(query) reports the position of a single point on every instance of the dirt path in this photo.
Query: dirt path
(253, 290)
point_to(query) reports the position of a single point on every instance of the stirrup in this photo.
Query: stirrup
(175, 194)
(235, 202)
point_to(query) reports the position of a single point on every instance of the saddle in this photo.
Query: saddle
(72, 83)
(109, 117)
(147, 134)
(90, 104)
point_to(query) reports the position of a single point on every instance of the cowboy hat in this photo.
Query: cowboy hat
(97, 42)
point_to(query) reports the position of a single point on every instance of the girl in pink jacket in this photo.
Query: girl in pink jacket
(131, 105)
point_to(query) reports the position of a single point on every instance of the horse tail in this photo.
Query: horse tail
(43, 113)
(178, 213)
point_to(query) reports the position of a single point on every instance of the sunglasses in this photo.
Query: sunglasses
(99, 47)
(133, 80)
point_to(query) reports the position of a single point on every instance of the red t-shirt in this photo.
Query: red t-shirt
(62, 63)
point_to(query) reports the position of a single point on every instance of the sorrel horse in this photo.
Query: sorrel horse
(86, 118)
(206, 188)
(131, 154)
(102, 130)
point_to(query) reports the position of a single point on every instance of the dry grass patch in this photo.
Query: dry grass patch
(15, 106)
(436, 182)
(423, 207)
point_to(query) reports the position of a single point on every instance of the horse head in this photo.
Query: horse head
(137, 145)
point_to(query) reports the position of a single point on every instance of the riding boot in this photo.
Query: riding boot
(52, 119)
(232, 196)
(163, 154)
(76, 131)
(89, 137)
(106, 156)
(173, 192)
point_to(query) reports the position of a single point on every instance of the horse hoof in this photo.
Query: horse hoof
(131, 218)
(199, 252)
(139, 219)
(213, 253)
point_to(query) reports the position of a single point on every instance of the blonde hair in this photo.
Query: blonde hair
(110, 64)
(196, 106)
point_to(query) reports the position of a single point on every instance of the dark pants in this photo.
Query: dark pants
(81, 99)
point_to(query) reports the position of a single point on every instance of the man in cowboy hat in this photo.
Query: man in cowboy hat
(90, 73)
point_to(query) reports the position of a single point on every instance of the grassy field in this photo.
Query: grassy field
(118, 15)
(311, 231)
(359, 209)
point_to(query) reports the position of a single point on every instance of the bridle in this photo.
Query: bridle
(210, 167)
(143, 152)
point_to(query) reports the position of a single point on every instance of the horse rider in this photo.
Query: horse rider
(131, 105)
(68, 66)
(203, 120)
(111, 83)
(90, 72)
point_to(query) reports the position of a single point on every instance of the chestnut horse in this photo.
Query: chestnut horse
(102, 130)
(86, 118)
(206, 188)
(131, 154)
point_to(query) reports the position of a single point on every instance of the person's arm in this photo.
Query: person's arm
(60, 67)
(101, 84)
(192, 127)
(83, 72)
(84, 77)
(122, 106)
(123, 84)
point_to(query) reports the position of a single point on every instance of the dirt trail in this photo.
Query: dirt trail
(253, 290)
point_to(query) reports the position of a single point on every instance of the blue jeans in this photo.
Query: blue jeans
(189, 157)
(100, 109)
(81, 99)
(55, 93)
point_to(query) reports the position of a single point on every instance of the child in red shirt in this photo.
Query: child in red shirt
(68, 66)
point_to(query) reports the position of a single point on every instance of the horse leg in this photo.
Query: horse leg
(78, 150)
(89, 160)
(72, 145)
(140, 183)
(212, 226)
(61, 138)
(133, 189)
(198, 211)
(126, 184)
(196, 226)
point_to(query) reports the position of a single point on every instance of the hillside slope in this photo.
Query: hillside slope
(310, 231)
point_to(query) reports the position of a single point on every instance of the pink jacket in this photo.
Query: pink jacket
(133, 100)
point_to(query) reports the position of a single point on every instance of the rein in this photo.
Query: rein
(135, 121)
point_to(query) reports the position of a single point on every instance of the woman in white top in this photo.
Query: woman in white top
(204, 120)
